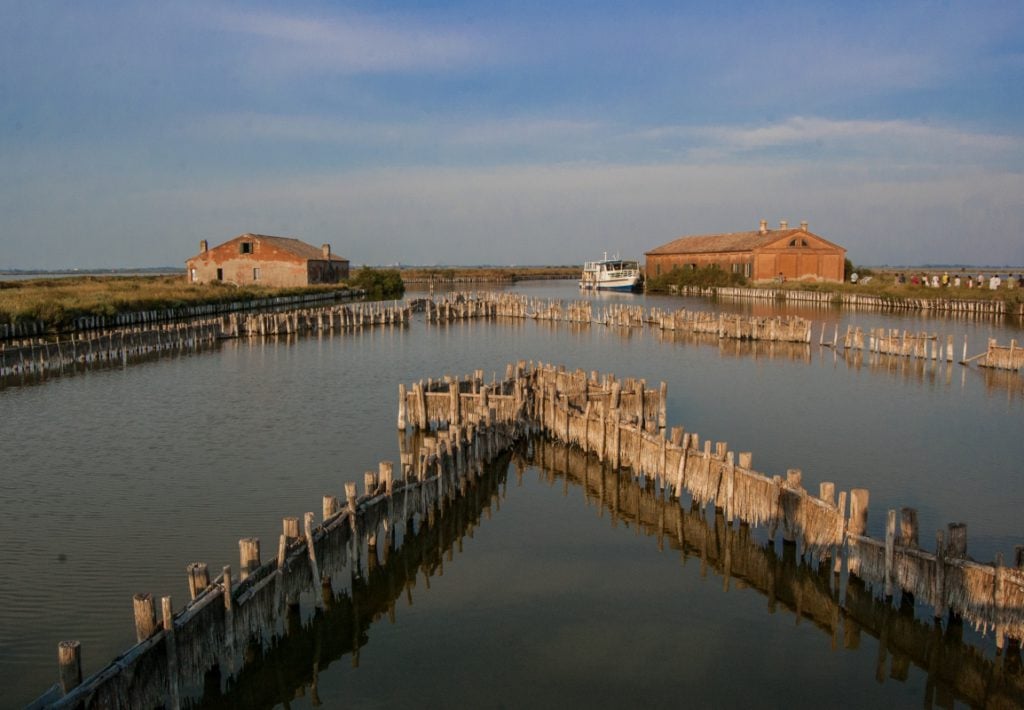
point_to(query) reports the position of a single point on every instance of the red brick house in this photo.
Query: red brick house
(267, 261)
(760, 255)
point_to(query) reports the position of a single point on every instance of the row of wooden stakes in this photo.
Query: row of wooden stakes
(313, 563)
(991, 596)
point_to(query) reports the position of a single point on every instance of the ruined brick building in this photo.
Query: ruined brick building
(266, 261)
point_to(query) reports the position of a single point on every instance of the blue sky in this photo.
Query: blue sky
(508, 133)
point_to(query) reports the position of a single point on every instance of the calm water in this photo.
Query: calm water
(112, 481)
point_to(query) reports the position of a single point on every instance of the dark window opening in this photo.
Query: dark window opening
(245, 248)
(220, 274)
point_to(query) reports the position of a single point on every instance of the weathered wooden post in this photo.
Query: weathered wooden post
(290, 527)
(145, 616)
(331, 506)
(198, 578)
(69, 663)
(663, 407)
(401, 406)
(890, 552)
(454, 414)
(859, 499)
(956, 545)
(386, 475)
(908, 527)
(939, 589)
(311, 549)
(248, 556)
(167, 611)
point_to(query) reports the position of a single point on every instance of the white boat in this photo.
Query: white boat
(611, 275)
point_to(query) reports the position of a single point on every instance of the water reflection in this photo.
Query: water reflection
(955, 670)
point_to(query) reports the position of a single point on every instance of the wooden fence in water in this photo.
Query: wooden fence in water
(469, 423)
(313, 562)
(144, 319)
(37, 358)
(960, 306)
(587, 411)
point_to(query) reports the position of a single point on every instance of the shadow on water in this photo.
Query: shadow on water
(288, 667)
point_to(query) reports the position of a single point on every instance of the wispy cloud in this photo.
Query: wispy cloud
(348, 43)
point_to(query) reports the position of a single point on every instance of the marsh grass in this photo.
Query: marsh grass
(57, 302)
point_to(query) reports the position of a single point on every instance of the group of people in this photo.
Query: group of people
(944, 280)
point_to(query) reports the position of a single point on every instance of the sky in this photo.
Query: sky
(519, 132)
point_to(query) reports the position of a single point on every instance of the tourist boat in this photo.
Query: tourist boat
(611, 275)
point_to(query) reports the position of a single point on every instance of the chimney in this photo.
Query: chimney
(783, 224)
(327, 251)
(202, 246)
(803, 226)
(764, 226)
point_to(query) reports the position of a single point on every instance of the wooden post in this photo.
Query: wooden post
(840, 536)
(663, 406)
(827, 492)
(939, 592)
(454, 414)
(69, 661)
(859, 498)
(421, 406)
(198, 578)
(248, 556)
(956, 545)
(290, 527)
(282, 552)
(370, 483)
(331, 507)
(386, 475)
(145, 616)
(311, 550)
(890, 552)
(401, 406)
(745, 460)
(908, 527)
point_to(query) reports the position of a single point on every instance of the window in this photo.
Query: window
(220, 274)
(194, 275)
(657, 270)
(245, 248)
(792, 243)
(747, 269)
(735, 268)
(255, 273)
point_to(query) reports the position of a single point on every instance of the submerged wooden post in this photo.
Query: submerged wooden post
(145, 616)
(69, 661)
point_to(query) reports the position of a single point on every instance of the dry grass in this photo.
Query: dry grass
(56, 301)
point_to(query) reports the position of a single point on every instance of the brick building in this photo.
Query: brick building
(267, 261)
(760, 255)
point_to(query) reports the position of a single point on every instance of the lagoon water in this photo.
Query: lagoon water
(111, 481)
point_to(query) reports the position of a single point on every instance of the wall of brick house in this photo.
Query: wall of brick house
(661, 264)
(276, 267)
(799, 263)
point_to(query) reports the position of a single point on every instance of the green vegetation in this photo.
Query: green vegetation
(57, 301)
(379, 284)
(704, 277)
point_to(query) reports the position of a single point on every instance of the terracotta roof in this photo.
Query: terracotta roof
(736, 241)
(293, 246)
